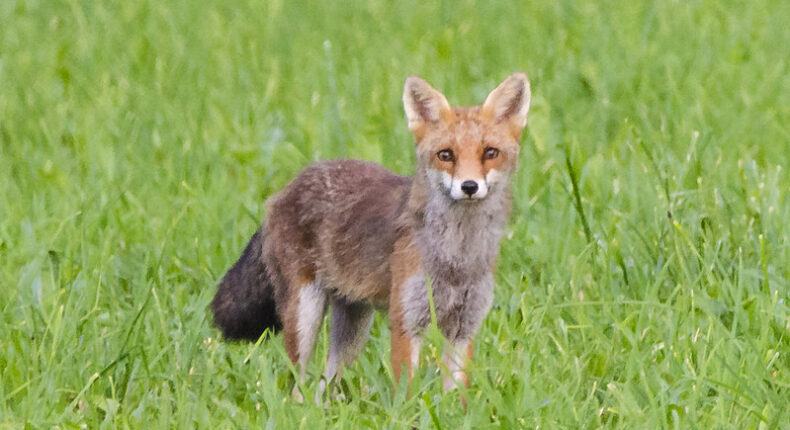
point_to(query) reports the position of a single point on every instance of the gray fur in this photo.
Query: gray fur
(349, 330)
(458, 242)
(460, 309)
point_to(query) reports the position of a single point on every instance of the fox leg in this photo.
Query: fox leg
(301, 329)
(456, 357)
(407, 278)
(347, 335)
(350, 328)
(405, 350)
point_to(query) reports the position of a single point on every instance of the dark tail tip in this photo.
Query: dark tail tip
(244, 304)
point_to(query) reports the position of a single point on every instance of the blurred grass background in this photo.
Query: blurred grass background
(139, 140)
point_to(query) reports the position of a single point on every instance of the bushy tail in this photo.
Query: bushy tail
(244, 304)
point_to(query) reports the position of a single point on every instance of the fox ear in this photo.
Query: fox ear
(423, 104)
(509, 103)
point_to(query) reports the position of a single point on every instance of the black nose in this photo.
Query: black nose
(469, 187)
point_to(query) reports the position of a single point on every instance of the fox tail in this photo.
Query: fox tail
(244, 305)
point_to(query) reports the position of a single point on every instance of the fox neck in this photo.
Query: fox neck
(458, 241)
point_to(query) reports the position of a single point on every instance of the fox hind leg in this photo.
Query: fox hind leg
(348, 333)
(349, 330)
(301, 332)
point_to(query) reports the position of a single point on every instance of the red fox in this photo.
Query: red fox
(353, 235)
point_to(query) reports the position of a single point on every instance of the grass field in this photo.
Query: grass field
(643, 282)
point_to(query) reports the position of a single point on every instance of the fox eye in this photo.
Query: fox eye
(490, 153)
(445, 155)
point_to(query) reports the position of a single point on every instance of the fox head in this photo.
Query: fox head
(467, 153)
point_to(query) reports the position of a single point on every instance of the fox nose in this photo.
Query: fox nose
(469, 187)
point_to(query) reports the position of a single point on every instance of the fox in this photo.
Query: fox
(352, 236)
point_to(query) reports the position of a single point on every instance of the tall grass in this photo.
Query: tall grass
(643, 282)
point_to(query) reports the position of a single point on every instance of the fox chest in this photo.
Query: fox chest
(460, 308)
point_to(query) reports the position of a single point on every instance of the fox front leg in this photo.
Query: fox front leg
(456, 358)
(408, 281)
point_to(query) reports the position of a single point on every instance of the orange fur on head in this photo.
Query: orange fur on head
(478, 144)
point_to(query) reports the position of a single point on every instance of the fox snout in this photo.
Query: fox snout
(459, 189)
(469, 189)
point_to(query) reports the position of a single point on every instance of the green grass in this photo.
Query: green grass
(139, 140)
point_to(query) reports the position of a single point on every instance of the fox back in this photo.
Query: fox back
(355, 236)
